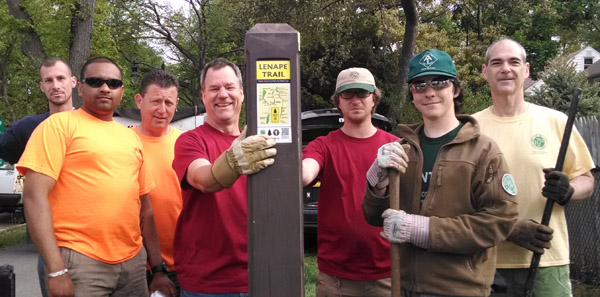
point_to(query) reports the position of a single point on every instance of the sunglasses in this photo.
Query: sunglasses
(420, 86)
(348, 94)
(96, 82)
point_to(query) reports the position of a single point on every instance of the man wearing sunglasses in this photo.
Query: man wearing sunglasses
(57, 83)
(86, 199)
(457, 199)
(353, 259)
(530, 137)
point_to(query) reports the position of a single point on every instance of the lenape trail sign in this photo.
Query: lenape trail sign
(275, 229)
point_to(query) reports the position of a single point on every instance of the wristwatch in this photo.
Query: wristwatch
(162, 267)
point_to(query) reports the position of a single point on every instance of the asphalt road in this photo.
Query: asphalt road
(23, 257)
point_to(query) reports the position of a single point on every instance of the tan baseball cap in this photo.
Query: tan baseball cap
(355, 78)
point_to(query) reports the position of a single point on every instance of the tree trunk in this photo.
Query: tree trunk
(408, 48)
(31, 44)
(479, 30)
(5, 92)
(4, 69)
(82, 21)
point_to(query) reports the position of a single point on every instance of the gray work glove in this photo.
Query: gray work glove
(531, 235)
(557, 186)
(247, 155)
(400, 227)
(390, 155)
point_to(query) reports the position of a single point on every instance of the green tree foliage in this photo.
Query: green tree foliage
(334, 35)
(337, 35)
(560, 79)
(189, 37)
(54, 22)
(119, 34)
(19, 92)
(531, 22)
(579, 23)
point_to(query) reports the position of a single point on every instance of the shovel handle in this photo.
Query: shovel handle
(394, 177)
(535, 259)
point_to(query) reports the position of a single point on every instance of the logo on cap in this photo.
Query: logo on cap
(428, 60)
(354, 74)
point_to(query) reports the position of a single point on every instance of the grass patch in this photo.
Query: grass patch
(12, 235)
(585, 290)
(310, 275)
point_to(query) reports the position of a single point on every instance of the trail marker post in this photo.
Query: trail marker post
(275, 229)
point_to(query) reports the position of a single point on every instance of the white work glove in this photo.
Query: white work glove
(400, 227)
(247, 155)
(390, 155)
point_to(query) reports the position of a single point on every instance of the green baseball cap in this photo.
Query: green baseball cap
(431, 62)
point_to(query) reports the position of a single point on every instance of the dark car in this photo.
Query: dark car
(317, 123)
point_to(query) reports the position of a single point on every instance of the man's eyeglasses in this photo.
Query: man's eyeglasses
(420, 86)
(96, 82)
(348, 94)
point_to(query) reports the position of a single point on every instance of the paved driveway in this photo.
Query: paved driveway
(23, 257)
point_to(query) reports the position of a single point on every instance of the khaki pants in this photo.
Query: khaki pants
(331, 286)
(93, 278)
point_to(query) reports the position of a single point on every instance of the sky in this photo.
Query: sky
(175, 4)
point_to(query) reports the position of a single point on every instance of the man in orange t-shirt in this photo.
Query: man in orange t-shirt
(157, 102)
(86, 199)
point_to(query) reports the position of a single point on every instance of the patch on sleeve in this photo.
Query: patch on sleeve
(508, 184)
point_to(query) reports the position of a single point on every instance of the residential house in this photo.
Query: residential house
(583, 59)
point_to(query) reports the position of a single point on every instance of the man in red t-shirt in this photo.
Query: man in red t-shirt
(353, 259)
(211, 161)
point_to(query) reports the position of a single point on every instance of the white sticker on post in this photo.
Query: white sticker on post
(273, 96)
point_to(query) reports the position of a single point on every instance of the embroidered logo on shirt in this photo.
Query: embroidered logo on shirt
(508, 184)
(538, 141)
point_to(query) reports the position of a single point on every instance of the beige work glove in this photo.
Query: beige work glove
(247, 155)
(390, 155)
(400, 227)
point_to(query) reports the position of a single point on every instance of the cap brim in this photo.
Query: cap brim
(365, 87)
(431, 73)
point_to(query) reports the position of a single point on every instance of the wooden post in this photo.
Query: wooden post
(275, 229)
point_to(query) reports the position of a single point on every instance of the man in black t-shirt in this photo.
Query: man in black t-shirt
(57, 83)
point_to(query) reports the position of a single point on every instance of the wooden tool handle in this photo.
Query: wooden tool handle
(394, 177)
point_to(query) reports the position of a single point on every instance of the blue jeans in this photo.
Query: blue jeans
(185, 293)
